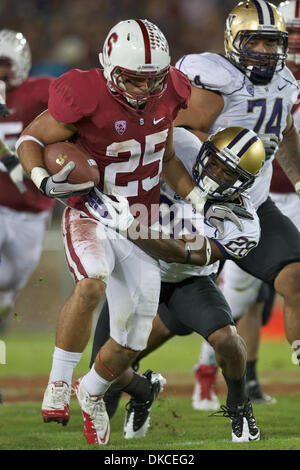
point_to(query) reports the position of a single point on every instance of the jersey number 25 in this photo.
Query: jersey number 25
(133, 165)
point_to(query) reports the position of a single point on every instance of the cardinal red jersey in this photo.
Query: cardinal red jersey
(280, 182)
(24, 102)
(128, 145)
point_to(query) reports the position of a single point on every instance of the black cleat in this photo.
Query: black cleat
(256, 394)
(111, 399)
(243, 424)
(137, 418)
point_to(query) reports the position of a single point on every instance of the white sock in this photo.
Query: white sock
(63, 364)
(207, 355)
(94, 383)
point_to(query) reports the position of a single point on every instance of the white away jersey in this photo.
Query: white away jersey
(262, 108)
(185, 220)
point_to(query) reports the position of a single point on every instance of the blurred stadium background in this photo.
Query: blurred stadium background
(65, 34)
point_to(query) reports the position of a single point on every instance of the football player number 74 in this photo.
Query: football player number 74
(274, 122)
(134, 165)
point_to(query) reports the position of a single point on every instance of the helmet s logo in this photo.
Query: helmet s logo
(112, 39)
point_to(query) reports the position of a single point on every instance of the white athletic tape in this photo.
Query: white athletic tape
(37, 175)
(23, 138)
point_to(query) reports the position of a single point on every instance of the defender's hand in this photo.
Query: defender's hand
(197, 198)
(114, 214)
(270, 142)
(217, 213)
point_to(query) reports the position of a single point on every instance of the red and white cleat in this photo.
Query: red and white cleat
(204, 395)
(96, 425)
(55, 406)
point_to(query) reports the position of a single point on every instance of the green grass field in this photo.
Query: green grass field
(174, 424)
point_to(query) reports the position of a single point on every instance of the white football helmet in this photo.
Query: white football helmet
(290, 11)
(14, 46)
(135, 49)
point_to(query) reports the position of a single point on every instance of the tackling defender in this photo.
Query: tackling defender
(224, 166)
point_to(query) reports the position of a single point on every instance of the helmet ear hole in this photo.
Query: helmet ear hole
(101, 59)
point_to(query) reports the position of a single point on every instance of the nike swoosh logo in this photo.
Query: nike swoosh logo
(52, 192)
(156, 121)
(281, 88)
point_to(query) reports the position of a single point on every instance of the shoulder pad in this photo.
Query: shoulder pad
(287, 75)
(187, 147)
(211, 71)
(70, 97)
(180, 85)
(286, 81)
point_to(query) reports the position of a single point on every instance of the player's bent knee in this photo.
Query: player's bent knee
(287, 281)
(123, 350)
(226, 341)
(90, 290)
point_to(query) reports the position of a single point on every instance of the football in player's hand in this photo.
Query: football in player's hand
(57, 155)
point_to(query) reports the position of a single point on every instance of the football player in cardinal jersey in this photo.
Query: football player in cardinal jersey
(24, 212)
(190, 300)
(122, 116)
(250, 85)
